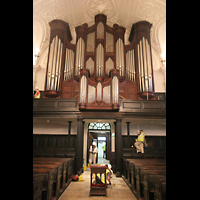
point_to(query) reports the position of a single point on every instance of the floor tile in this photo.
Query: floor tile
(80, 190)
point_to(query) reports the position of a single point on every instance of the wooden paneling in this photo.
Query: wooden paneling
(47, 105)
(128, 89)
(70, 89)
(156, 146)
(54, 145)
(128, 107)
(144, 106)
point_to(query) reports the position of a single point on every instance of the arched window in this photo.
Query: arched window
(99, 126)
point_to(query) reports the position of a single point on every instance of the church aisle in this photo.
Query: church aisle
(80, 190)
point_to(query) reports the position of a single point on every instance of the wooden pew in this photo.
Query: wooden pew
(57, 176)
(147, 181)
(139, 176)
(134, 176)
(130, 168)
(159, 185)
(47, 185)
(37, 187)
(68, 167)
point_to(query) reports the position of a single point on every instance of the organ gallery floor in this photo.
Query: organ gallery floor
(80, 190)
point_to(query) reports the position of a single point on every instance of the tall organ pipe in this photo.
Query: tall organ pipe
(77, 57)
(59, 70)
(83, 89)
(80, 49)
(145, 65)
(99, 60)
(69, 62)
(115, 90)
(139, 68)
(120, 56)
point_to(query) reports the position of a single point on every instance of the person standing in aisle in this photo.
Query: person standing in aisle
(93, 153)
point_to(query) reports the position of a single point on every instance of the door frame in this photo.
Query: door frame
(108, 136)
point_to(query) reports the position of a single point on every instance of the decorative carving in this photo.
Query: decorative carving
(107, 7)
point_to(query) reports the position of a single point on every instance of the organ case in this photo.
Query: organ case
(99, 69)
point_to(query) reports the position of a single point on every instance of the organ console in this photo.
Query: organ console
(99, 69)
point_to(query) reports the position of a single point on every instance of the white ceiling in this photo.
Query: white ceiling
(77, 12)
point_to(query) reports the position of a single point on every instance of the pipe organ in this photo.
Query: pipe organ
(99, 69)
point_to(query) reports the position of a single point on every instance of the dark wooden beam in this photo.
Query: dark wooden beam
(118, 146)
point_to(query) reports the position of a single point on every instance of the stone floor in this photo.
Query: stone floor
(80, 190)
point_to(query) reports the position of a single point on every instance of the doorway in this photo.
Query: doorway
(99, 133)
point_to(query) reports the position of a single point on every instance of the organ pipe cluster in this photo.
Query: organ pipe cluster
(54, 68)
(130, 65)
(95, 46)
(120, 56)
(100, 60)
(69, 64)
(144, 66)
(80, 50)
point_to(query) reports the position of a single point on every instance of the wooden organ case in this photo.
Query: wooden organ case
(99, 69)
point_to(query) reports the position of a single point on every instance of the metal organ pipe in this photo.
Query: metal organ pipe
(72, 63)
(127, 64)
(77, 56)
(69, 64)
(149, 66)
(102, 60)
(99, 91)
(120, 56)
(99, 60)
(139, 68)
(82, 54)
(141, 65)
(83, 88)
(54, 63)
(54, 67)
(130, 65)
(59, 70)
(79, 63)
(80, 49)
(144, 66)
(117, 54)
(50, 64)
(115, 90)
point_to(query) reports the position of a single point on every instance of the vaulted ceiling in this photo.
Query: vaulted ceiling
(77, 12)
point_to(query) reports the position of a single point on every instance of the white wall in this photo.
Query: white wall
(150, 129)
(53, 128)
(100, 149)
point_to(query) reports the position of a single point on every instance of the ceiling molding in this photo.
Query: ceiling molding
(77, 12)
